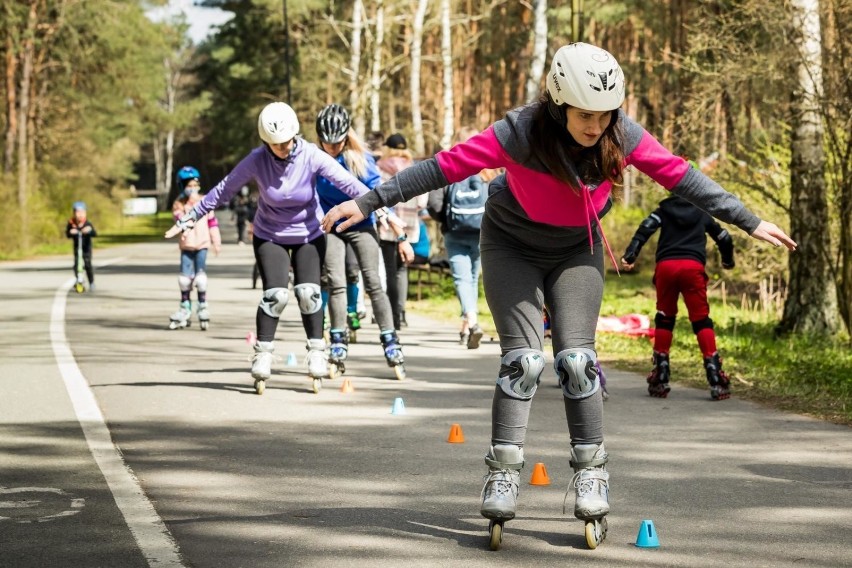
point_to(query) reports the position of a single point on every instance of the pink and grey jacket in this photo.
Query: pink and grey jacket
(288, 208)
(547, 200)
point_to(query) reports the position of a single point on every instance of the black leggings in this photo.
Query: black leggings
(273, 262)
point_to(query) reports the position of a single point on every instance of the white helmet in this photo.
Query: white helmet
(277, 123)
(586, 77)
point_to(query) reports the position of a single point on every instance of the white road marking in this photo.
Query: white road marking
(154, 540)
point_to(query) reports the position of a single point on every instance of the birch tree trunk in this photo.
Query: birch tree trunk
(375, 75)
(811, 305)
(447, 62)
(539, 53)
(355, 109)
(164, 144)
(416, 54)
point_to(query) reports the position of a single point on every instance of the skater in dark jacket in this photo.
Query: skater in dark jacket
(79, 224)
(681, 256)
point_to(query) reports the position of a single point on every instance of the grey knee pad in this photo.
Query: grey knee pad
(577, 373)
(521, 372)
(184, 282)
(274, 301)
(201, 281)
(309, 298)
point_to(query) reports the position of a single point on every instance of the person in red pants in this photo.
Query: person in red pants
(681, 258)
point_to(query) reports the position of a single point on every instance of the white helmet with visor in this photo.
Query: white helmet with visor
(586, 77)
(277, 123)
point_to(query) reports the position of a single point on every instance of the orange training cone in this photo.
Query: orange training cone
(539, 475)
(456, 435)
(347, 387)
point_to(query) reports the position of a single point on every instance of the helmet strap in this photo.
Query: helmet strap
(559, 113)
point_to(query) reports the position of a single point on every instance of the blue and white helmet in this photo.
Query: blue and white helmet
(187, 174)
(78, 206)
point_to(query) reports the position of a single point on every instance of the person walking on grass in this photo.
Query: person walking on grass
(459, 208)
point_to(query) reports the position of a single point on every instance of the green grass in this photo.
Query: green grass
(123, 231)
(805, 375)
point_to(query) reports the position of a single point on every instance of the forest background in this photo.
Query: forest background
(98, 97)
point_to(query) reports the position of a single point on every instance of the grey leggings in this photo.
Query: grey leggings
(366, 246)
(519, 278)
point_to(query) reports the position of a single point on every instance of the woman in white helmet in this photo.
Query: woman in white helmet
(542, 244)
(286, 230)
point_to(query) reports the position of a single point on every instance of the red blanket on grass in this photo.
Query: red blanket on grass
(630, 324)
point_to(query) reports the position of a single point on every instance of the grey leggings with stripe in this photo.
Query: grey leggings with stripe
(520, 275)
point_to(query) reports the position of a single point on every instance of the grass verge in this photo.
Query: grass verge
(805, 375)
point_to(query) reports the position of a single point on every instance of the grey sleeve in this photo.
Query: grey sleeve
(712, 198)
(413, 181)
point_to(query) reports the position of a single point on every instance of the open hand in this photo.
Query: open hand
(347, 210)
(770, 233)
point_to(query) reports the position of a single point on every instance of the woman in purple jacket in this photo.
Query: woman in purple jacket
(542, 243)
(286, 230)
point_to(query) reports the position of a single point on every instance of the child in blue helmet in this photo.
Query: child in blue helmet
(81, 230)
(193, 251)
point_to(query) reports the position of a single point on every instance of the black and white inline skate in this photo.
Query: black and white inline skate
(393, 353)
(338, 350)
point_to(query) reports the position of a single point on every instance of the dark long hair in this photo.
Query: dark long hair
(551, 143)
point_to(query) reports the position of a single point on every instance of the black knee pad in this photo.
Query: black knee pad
(662, 321)
(705, 323)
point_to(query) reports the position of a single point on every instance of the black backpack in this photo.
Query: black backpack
(464, 205)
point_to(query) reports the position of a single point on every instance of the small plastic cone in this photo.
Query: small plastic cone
(398, 407)
(539, 475)
(647, 537)
(456, 435)
(347, 387)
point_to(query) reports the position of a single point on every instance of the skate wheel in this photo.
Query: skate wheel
(78, 287)
(595, 532)
(495, 530)
(399, 370)
(334, 371)
(353, 336)
(259, 386)
(204, 325)
(317, 385)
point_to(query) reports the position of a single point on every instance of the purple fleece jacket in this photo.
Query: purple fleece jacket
(288, 208)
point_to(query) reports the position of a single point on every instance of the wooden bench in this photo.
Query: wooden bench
(426, 275)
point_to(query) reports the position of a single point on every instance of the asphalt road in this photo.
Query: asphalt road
(125, 444)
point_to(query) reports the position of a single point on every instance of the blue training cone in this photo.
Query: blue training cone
(398, 407)
(291, 360)
(647, 537)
